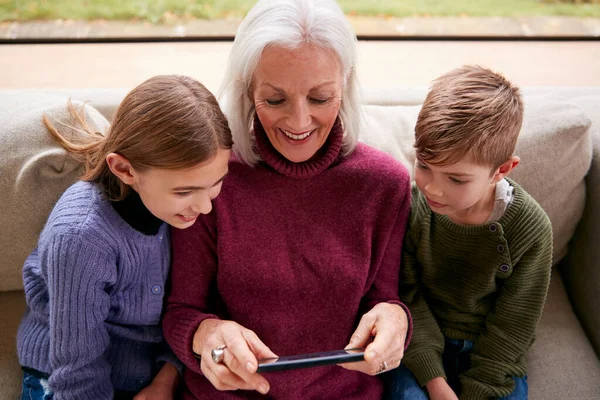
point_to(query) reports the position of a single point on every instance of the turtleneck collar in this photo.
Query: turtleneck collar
(135, 213)
(325, 157)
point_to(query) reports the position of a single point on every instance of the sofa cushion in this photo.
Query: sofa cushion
(35, 172)
(13, 306)
(562, 363)
(554, 147)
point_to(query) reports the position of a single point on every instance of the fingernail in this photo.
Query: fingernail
(250, 367)
(264, 389)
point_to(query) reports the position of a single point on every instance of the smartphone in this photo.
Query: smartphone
(310, 360)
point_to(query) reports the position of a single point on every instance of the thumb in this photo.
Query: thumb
(362, 335)
(257, 346)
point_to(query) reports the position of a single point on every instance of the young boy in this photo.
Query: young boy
(478, 252)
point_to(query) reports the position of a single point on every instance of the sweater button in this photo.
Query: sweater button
(500, 248)
(156, 289)
(493, 228)
(504, 267)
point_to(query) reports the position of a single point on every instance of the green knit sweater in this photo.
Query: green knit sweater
(484, 283)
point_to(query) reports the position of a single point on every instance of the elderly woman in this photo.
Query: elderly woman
(301, 251)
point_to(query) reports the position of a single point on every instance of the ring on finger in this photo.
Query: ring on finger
(218, 353)
(382, 368)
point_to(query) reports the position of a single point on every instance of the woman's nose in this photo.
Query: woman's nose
(300, 118)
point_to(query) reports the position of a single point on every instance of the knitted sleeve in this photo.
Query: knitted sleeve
(193, 272)
(77, 273)
(424, 355)
(510, 326)
(387, 249)
(166, 355)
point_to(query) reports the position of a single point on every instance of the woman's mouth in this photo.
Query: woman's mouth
(297, 135)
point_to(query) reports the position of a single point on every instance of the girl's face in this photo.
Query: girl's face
(297, 95)
(178, 197)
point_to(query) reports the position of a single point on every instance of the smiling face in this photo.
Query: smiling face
(178, 197)
(463, 191)
(297, 95)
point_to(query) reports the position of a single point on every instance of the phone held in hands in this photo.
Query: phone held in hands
(310, 360)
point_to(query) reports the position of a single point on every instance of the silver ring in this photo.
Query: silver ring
(217, 354)
(382, 367)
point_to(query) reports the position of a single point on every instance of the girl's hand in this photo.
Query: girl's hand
(163, 386)
(439, 389)
(383, 332)
(243, 349)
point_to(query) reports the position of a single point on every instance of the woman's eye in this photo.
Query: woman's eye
(318, 101)
(274, 102)
(183, 194)
(422, 166)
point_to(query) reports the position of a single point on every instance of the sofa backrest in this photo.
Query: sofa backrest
(35, 171)
(554, 146)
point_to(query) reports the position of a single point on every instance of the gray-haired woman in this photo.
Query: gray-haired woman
(301, 252)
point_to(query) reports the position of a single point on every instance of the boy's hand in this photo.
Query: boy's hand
(163, 386)
(439, 389)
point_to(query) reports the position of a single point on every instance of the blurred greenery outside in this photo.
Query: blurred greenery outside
(176, 11)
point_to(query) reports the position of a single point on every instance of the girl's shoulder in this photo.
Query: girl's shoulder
(83, 211)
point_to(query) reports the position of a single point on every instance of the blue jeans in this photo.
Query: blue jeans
(401, 384)
(35, 386)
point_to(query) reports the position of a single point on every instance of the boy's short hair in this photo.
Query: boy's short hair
(470, 111)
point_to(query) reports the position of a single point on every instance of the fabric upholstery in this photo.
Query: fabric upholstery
(35, 172)
(554, 147)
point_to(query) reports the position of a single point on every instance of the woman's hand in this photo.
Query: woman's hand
(439, 389)
(383, 332)
(163, 386)
(243, 349)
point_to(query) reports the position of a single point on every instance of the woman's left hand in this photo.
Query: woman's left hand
(383, 332)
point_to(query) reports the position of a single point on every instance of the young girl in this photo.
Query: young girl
(96, 281)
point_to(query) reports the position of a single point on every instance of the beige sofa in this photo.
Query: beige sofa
(560, 152)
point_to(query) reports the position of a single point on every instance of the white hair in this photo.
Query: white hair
(288, 23)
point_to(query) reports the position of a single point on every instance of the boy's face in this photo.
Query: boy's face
(464, 190)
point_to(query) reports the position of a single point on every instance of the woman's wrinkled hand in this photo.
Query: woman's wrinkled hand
(243, 349)
(383, 332)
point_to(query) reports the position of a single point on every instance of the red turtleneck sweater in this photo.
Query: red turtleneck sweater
(296, 253)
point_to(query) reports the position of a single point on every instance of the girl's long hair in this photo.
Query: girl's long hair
(168, 122)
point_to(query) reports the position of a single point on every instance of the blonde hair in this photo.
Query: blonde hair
(168, 122)
(469, 111)
(289, 24)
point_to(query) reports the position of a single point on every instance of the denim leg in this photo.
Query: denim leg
(521, 390)
(456, 360)
(401, 384)
(35, 388)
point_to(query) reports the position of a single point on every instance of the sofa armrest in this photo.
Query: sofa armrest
(581, 268)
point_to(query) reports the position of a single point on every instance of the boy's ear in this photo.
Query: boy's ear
(121, 167)
(505, 169)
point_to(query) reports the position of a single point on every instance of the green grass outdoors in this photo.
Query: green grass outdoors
(165, 11)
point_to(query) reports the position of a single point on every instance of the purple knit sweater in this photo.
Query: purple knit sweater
(94, 289)
(297, 253)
